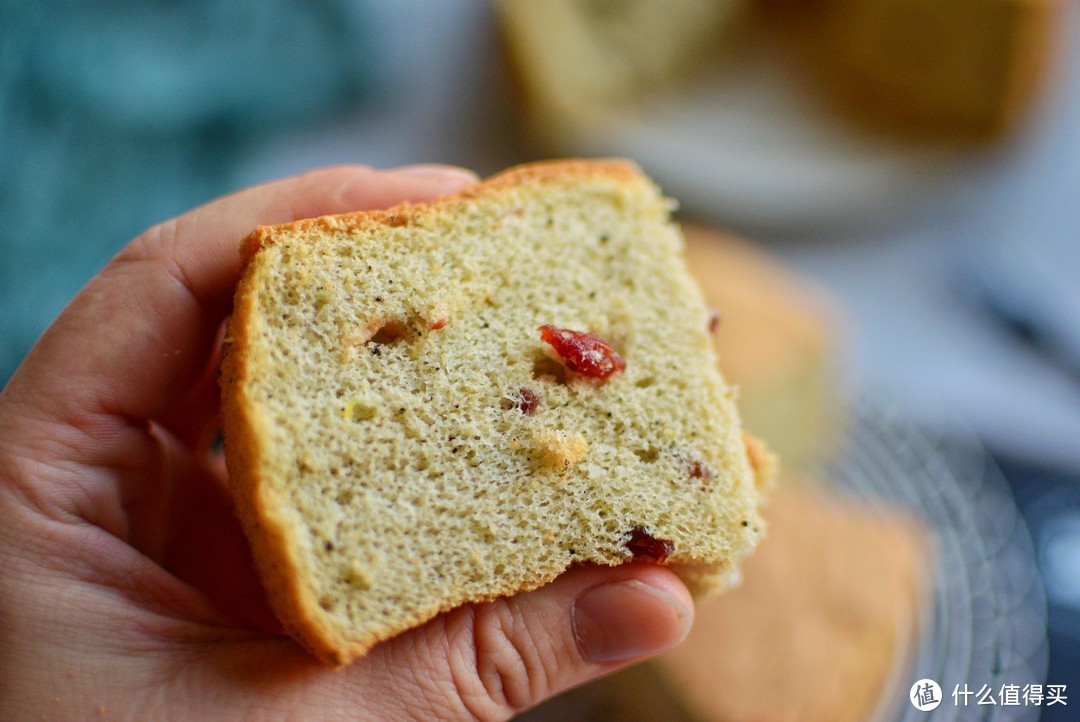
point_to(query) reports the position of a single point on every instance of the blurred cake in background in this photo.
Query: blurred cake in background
(590, 56)
(965, 70)
(606, 50)
(780, 340)
(824, 625)
(788, 116)
(926, 69)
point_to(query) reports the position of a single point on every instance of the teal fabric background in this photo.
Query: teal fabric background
(117, 115)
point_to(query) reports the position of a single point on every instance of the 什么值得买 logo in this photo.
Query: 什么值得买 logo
(925, 695)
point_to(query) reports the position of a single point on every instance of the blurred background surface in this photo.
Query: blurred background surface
(932, 232)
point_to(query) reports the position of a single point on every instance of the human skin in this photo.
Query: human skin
(127, 589)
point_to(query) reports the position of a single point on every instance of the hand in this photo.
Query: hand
(126, 586)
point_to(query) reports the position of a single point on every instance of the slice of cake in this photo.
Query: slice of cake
(445, 403)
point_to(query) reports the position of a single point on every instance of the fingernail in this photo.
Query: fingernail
(436, 172)
(626, 620)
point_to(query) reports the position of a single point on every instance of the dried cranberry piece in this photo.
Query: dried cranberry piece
(647, 548)
(583, 353)
(699, 470)
(714, 320)
(527, 401)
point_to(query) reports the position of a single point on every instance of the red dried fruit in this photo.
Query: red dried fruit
(527, 401)
(583, 353)
(714, 320)
(698, 470)
(647, 548)
(436, 324)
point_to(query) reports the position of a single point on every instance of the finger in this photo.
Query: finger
(193, 419)
(137, 337)
(201, 542)
(491, 661)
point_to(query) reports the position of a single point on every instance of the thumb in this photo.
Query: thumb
(490, 661)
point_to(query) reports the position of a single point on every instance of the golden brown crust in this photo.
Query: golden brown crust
(271, 543)
(545, 171)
